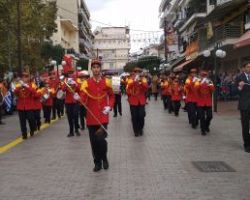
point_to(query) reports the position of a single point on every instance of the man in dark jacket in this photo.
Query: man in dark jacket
(243, 84)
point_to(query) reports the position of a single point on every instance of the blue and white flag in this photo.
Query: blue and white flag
(8, 101)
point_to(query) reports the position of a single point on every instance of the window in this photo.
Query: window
(111, 65)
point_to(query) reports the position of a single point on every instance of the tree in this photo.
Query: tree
(149, 63)
(37, 24)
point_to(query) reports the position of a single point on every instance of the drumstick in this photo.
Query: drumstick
(80, 100)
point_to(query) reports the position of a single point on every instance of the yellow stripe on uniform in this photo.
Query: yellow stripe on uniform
(19, 140)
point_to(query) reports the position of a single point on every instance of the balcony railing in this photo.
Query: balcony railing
(221, 33)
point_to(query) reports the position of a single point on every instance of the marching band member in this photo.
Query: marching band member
(82, 77)
(71, 88)
(37, 106)
(98, 96)
(176, 95)
(136, 89)
(25, 92)
(118, 98)
(191, 97)
(165, 91)
(54, 84)
(47, 100)
(205, 89)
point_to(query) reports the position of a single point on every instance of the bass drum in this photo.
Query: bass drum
(60, 94)
(116, 84)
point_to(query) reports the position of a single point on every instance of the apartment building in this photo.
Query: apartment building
(112, 45)
(206, 25)
(74, 30)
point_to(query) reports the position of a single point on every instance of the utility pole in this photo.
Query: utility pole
(19, 48)
(165, 40)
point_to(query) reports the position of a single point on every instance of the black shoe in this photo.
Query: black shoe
(141, 132)
(120, 114)
(31, 134)
(105, 164)
(194, 126)
(70, 135)
(207, 129)
(114, 115)
(77, 133)
(2, 123)
(247, 149)
(203, 133)
(24, 137)
(137, 134)
(97, 168)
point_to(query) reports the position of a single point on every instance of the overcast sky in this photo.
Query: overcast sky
(138, 14)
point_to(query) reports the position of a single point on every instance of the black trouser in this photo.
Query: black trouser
(72, 115)
(245, 118)
(82, 113)
(192, 113)
(170, 104)
(155, 95)
(54, 108)
(176, 106)
(47, 113)
(1, 110)
(118, 104)
(138, 114)
(205, 116)
(26, 115)
(60, 107)
(98, 143)
(37, 117)
(165, 102)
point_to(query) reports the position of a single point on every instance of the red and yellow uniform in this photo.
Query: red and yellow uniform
(51, 92)
(176, 89)
(25, 96)
(165, 88)
(136, 91)
(190, 91)
(69, 97)
(96, 95)
(204, 91)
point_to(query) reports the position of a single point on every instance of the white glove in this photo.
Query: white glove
(195, 79)
(137, 77)
(25, 85)
(76, 96)
(205, 80)
(71, 82)
(106, 110)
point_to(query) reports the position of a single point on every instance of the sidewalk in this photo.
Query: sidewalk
(157, 166)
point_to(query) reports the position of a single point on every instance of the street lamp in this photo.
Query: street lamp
(220, 54)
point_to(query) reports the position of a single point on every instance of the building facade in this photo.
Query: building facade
(112, 45)
(206, 25)
(73, 28)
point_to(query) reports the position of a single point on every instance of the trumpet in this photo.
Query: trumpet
(207, 81)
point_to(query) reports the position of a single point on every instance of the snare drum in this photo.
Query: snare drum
(60, 94)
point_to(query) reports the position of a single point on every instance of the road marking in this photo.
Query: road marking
(19, 140)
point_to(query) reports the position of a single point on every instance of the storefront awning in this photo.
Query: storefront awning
(243, 41)
(180, 67)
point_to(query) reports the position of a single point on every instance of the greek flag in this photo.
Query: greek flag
(8, 101)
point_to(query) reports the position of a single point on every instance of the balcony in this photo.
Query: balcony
(227, 34)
